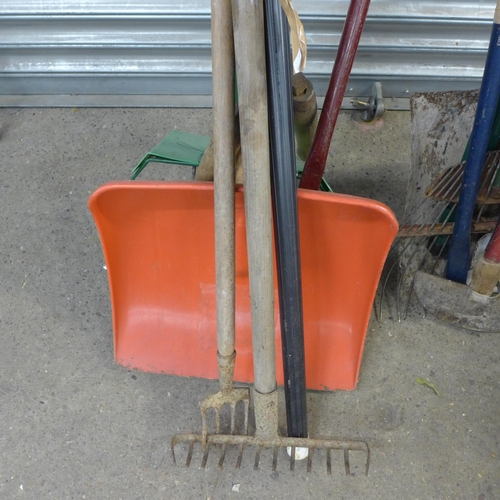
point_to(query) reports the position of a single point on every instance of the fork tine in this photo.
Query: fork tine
(217, 420)
(346, 462)
(310, 459)
(329, 461)
(205, 456)
(204, 425)
(367, 466)
(275, 458)
(233, 418)
(222, 456)
(292, 459)
(190, 454)
(247, 411)
(240, 457)
(257, 458)
(172, 448)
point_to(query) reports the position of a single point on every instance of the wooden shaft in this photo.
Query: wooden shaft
(223, 148)
(248, 20)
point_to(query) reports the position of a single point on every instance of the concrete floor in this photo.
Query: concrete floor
(75, 425)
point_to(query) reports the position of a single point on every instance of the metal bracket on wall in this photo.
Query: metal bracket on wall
(373, 107)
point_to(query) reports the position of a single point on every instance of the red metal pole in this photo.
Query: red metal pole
(492, 252)
(316, 161)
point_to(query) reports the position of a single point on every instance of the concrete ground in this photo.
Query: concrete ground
(75, 425)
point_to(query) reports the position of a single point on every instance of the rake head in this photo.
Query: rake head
(266, 438)
(219, 442)
(423, 242)
(446, 187)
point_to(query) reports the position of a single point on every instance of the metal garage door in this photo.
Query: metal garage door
(152, 47)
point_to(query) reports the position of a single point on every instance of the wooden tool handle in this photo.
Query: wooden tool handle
(223, 154)
(249, 36)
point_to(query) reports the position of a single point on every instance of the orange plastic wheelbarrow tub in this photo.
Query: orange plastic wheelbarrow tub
(158, 244)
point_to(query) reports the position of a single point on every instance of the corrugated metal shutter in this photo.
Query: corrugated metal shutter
(163, 46)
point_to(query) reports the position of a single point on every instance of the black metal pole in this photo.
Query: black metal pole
(286, 232)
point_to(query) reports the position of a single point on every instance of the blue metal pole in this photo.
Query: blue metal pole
(459, 251)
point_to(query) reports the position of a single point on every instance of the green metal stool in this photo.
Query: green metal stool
(183, 148)
(177, 148)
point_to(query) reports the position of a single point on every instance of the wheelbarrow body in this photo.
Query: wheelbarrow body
(158, 244)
